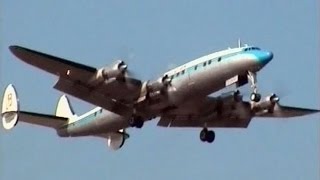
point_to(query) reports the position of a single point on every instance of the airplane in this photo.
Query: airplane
(181, 97)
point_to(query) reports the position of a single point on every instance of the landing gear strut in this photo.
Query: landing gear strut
(207, 135)
(255, 96)
(136, 122)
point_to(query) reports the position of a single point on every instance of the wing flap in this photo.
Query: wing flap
(238, 118)
(90, 95)
(212, 123)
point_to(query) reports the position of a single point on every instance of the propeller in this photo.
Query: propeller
(127, 55)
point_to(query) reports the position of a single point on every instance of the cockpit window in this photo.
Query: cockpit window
(251, 48)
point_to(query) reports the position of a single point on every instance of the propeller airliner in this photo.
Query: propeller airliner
(180, 97)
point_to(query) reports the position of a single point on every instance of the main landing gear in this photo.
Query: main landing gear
(207, 135)
(136, 122)
(255, 96)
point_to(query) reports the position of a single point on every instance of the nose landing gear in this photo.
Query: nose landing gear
(255, 96)
(207, 135)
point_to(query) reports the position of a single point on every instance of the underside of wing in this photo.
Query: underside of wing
(90, 95)
(183, 121)
(286, 112)
(208, 113)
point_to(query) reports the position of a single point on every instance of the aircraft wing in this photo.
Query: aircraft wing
(206, 113)
(219, 112)
(81, 80)
(11, 114)
(286, 112)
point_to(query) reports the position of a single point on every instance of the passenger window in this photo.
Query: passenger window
(182, 72)
(177, 74)
(209, 61)
(205, 63)
(219, 59)
(195, 67)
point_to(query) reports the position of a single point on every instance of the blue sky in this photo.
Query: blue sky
(153, 36)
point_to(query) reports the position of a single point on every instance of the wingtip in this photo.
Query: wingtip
(13, 48)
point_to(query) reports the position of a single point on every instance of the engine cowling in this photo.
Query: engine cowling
(159, 84)
(268, 104)
(155, 89)
(117, 70)
(116, 140)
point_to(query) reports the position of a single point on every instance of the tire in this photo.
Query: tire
(132, 122)
(139, 123)
(210, 136)
(255, 97)
(203, 135)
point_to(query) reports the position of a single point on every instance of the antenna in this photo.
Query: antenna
(239, 43)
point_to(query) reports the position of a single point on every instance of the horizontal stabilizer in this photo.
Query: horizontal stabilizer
(11, 113)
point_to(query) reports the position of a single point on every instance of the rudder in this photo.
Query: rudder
(10, 107)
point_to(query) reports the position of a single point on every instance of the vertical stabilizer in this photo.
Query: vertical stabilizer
(10, 107)
(64, 108)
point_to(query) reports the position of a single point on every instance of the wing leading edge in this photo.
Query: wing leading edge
(77, 80)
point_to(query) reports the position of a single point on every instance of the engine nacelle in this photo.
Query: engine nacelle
(268, 104)
(115, 71)
(160, 84)
(116, 140)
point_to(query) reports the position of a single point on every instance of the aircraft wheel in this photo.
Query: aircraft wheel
(132, 122)
(139, 123)
(136, 122)
(207, 136)
(255, 97)
(210, 136)
(203, 135)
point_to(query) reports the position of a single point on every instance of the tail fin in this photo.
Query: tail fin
(10, 107)
(64, 108)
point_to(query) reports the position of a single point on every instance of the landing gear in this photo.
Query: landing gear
(255, 96)
(136, 122)
(207, 135)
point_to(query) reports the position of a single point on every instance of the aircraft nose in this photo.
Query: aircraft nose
(264, 57)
